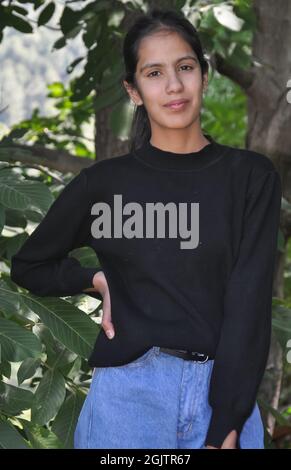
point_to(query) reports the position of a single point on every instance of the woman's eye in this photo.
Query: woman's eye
(156, 71)
(150, 74)
(187, 66)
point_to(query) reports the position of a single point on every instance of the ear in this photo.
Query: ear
(133, 93)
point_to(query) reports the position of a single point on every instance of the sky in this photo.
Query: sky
(27, 66)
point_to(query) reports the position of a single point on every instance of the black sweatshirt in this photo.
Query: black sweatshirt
(198, 276)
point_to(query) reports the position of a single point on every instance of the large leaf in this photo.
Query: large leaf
(58, 356)
(66, 420)
(69, 325)
(16, 342)
(12, 304)
(49, 397)
(13, 244)
(5, 367)
(13, 399)
(27, 369)
(10, 437)
(23, 194)
(15, 218)
(41, 437)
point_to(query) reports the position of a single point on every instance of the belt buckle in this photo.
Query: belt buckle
(200, 354)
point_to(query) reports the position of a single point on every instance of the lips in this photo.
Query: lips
(176, 102)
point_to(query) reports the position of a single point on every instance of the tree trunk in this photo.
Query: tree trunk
(269, 122)
(106, 144)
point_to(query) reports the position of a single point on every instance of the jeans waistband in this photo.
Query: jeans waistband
(187, 354)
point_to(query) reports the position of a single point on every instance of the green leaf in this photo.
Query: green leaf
(68, 19)
(280, 419)
(9, 302)
(18, 23)
(121, 118)
(49, 397)
(2, 218)
(281, 323)
(92, 32)
(46, 14)
(69, 325)
(66, 420)
(57, 90)
(73, 64)
(17, 343)
(109, 97)
(20, 10)
(281, 241)
(13, 399)
(5, 367)
(58, 356)
(10, 438)
(41, 437)
(59, 43)
(13, 134)
(13, 244)
(15, 218)
(27, 369)
(22, 194)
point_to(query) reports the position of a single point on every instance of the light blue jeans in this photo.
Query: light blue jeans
(157, 401)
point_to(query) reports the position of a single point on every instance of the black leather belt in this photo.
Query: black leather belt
(187, 355)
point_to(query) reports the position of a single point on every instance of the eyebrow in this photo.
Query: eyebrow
(147, 66)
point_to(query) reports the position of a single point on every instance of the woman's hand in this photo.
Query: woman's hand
(228, 443)
(100, 285)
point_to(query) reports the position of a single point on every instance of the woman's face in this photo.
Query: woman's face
(168, 70)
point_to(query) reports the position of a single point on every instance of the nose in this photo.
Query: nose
(174, 83)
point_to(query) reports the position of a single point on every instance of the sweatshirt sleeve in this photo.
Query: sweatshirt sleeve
(42, 264)
(244, 342)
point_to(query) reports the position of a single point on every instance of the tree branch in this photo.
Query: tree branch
(244, 78)
(55, 159)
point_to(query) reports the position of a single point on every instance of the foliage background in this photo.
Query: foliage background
(44, 342)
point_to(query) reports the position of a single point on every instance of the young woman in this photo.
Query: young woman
(186, 241)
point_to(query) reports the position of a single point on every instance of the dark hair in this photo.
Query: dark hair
(157, 19)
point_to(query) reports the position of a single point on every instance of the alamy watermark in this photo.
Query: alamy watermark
(133, 226)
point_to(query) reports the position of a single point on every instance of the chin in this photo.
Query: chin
(178, 122)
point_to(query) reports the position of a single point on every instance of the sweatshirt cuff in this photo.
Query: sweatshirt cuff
(222, 422)
(80, 279)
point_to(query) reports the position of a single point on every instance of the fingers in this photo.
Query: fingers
(101, 285)
(108, 327)
(106, 323)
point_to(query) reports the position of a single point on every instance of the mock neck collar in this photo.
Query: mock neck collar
(164, 159)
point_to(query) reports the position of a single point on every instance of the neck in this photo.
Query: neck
(178, 145)
(162, 159)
